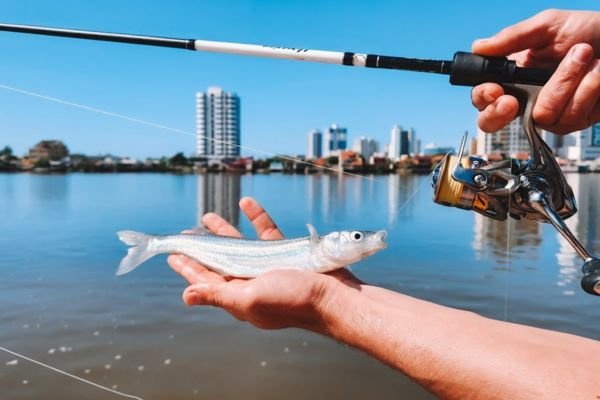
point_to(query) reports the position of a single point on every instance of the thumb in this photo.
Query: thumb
(530, 33)
(211, 294)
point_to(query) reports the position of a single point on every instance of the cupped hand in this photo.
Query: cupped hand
(274, 300)
(566, 40)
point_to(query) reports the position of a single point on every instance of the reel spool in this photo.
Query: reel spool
(453, 193)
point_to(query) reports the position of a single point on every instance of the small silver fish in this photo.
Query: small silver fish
(248, 258)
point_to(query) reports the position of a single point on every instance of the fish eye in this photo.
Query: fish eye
(356, 235)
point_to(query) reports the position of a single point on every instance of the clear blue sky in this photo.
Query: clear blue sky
(281, 100)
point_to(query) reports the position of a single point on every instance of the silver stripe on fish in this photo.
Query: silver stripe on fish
(248, 258)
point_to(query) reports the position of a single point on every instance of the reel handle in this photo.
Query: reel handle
(555, 203)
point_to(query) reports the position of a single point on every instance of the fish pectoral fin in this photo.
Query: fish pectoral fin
(314, 236)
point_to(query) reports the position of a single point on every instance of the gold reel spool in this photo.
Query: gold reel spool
(448, 191)
(452, 193)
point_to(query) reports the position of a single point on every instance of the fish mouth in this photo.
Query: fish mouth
(379, 240)
(381, 235)
(377, 243)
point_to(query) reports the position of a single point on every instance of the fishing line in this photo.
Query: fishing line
(507, 260)
(113, 391)
(174, 130)
(418, 189)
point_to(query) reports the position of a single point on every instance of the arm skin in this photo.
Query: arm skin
(453, 353)
(566, 40)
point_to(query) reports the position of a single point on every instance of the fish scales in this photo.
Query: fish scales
(246, 258)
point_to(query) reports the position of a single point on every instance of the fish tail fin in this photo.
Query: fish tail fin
(136, 254)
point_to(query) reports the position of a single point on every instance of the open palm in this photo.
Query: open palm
(274, 300)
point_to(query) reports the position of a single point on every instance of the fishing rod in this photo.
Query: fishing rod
(465, 69)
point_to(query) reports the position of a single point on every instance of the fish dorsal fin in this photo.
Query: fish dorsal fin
(314, 236)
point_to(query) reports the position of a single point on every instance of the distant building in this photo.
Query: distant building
(335, 140)
(403, 142)
(509, 140)
(217, 124)
(373, 147)
(315, 144)
(365, 147)
(412, 142)
(49, 150)
(394, 146)
(578, 146)
(473, 146)
(432, 149)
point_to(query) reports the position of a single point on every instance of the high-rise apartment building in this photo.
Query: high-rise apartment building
(509, 140)
(315, 144)
(217, 124)
(335, 140)
(394, 147)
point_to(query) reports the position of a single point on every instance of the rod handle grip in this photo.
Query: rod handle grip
(470, 69)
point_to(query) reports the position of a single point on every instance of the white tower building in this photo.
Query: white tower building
(217, 124)
(394, 147)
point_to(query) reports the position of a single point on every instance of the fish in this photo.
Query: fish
(249, 258)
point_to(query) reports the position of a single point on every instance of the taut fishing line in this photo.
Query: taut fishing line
(507, 261)
(171, 129)
(418, 189)
(21, 356)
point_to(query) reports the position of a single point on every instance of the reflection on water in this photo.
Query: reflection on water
(585, 225)
(133, 332)
(400, 188)
(522, 239)
(218, 193)
(329, 193)
(45, 187)
(493, 238)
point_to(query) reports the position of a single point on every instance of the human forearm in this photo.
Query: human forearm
(451, 352)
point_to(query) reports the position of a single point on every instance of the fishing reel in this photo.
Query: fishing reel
(534, 189)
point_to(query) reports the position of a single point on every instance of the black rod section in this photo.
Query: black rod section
(414, 64)
(187, 44)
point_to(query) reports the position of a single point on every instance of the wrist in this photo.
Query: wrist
(331, 305)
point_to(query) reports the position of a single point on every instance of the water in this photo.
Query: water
(60, 302)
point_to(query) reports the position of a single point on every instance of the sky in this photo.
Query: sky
(281, 100)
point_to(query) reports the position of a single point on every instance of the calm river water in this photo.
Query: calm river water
(60, 302)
